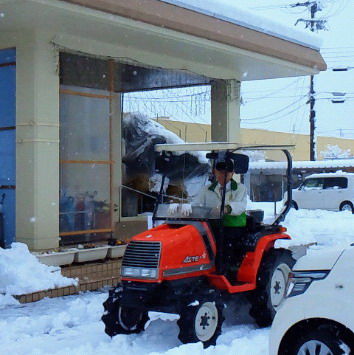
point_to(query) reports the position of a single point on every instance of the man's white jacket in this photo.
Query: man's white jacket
(235, 197)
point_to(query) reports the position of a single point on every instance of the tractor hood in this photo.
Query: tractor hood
(183, 248)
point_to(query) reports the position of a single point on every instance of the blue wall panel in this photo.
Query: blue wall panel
(7, 55)
(7, 158)
(7, 96)
(7, 144)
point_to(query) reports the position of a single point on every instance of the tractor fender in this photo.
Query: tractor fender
(250, 265)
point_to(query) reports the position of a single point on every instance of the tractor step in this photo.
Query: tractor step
(222, 283)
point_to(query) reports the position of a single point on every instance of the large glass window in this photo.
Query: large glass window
(87, 97)
(85, 156)
(175, 115)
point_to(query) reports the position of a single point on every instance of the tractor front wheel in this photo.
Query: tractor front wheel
(271, 286)
(201, 320)
(119, 319)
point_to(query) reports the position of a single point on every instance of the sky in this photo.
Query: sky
(282, 102)
(278, 104)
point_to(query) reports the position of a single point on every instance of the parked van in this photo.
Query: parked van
(329, 191)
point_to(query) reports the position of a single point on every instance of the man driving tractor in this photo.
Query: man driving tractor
(234, 217)
(235, 195)
(234, 211)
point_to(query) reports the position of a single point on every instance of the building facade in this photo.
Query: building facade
(64, 66)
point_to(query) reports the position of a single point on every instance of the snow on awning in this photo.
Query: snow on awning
(336, 163)
(239, 16)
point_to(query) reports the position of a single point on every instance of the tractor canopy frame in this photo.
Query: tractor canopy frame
(227, 151)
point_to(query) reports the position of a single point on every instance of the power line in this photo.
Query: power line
(277, 118)
(187, 102)
(270, 95)
(276, 112)
(294, 120)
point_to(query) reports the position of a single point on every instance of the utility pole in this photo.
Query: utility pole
(313, 150)
(313, 25)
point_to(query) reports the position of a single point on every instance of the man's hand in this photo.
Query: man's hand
(173, 208)
(186, 209)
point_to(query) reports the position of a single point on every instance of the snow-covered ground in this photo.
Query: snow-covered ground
(71, 325)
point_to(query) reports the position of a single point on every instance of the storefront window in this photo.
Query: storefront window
(151, 117)
(88, 88)
(85, 170)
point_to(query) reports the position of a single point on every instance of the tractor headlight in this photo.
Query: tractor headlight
(300, 281)
(149, 273)
(138, 272)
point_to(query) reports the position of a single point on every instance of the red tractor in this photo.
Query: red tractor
(179, 266)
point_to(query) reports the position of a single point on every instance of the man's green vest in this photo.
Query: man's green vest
(231, 220)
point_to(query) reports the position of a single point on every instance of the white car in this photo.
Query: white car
(317, 317)
(329, 191)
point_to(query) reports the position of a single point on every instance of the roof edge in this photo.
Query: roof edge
(173, 17)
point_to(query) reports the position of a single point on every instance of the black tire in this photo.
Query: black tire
(271, 286)
(201, 320)
(119, 319)
(320, 339)
(346, 206)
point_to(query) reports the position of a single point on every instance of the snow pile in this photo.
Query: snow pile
(145, 130)
(333, 151)
(21, 272)
(325, 228)
(150, 127)
(228, 11)
(7, 300)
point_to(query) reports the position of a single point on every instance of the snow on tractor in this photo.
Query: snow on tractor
(194, 259)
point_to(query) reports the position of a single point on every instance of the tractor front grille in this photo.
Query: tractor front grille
(142, 254)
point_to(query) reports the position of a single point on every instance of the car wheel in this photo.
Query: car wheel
(271, 286)
(346, 206)
(320, 341)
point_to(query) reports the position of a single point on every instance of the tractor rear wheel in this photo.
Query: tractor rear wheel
(119, 319)
(271, 286)
(201, 320)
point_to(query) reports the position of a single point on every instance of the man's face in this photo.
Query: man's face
(220, 176)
